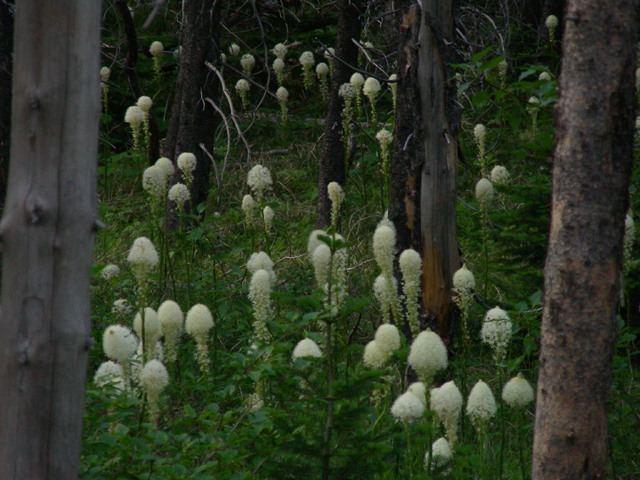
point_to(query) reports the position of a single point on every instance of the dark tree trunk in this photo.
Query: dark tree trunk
(409, 157)
(132, 76)
(440, 258)
(194, 121)
(592, 160)
(47, 235)
(332, 159)
(6, 62)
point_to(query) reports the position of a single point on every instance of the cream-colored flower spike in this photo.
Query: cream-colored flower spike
(198, 324)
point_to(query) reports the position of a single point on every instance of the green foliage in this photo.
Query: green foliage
(207, 428)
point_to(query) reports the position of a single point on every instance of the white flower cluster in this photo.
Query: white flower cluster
(407, 408)
(171, 319)
(306, 59)
(446, 401)
(464, 281)
(134, 116)
(551, 22)
(156, 48)
(411, 268)
(517, 393)
(282, 94)
(347, 91)
(260, 296)
(383, 295)
(143, 257)
(428, 355)
(259, 180)
(119, 343)
(384, 243)
(247, 62)
(545, 76)
(110, 271)
(145, 103)
(152, 330)
(496, 331)
(249, 208)
(357, 80)
(105, 73)
(121, 307)
(500, 175)
(381, 348)
(484, 191)
(110, 373)
(385, 137)
(306, 348)
(280, 51)
(481, 405)
(322, 69)
(336, 195)
(261, 261)
(154, 182)
(187, 163)
(198, 324)
(166, 165)
(371, 87)
(179, 194)
(234, 50)
(153, 379)
(441, 452)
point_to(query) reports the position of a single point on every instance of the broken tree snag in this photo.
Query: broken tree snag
(47, 233)
(592, 162)
(408, 157)
(440, 258)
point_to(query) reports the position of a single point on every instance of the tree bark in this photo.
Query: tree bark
(441, 113)
(193, 121)
(47, 233)
(592, 161)
(6, 62)
(332, 159)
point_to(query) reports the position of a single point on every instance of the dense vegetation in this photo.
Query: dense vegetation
(247, 408)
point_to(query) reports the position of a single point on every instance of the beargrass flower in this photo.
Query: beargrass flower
(167, 166)
(143, 258)
(247, 62)
(441, 452)
(384, 243)
(259, 181)
(393, 85)
(321, 259)
(517, 393)
(411, 268)
(145, 103)
(110, 373)
(371, 89)
(153, 379)
(481, 405)
(260, 296)
(387, 339)
(428, 355)
(280, 51)
(134, 116)
(243, 87)
(500, 175)
(120, 344)
(278, 67)
(198, 324)
(283, 94)
(383, 295)
(545, 77)
(463, 281)
(152, 330)
(446, 401)
(496, 331)
(306, 348)
(234, 50)
(105, 73)
(374, 356)
(187, 163)
(307, 61)
(407, 408)
(322, 70)
(121, 307)
(172, 319)
(109, 272)
(552, 23)
(268, 214)
(249, 208)
(154, 182)
(314, 241)
(179, 194)
(336, 195)
(484, 192)
(420, 391)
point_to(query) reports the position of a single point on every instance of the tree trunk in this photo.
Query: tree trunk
(6, 62)
(593, 155)
(441, 113)
(47, 233)
(193, 121)
(409, 157)
(332, 160)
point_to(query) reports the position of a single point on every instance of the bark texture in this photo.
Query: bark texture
(592, 160)
(47, 234)
(440, 258)
(6, 62)
(408, 155)
(332, 159)
(193, 121)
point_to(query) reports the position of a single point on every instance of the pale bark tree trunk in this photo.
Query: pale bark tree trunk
(332, 159)
(592, 161)
(47, 234)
